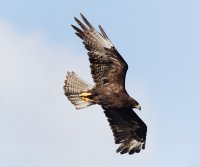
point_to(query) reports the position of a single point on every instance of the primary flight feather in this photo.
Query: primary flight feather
(108, 70)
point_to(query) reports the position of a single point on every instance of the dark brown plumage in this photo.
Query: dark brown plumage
(108, 70)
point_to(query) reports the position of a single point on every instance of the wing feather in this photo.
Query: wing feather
(86, 21)
(107, 65)
(103, 32)
(128, 129)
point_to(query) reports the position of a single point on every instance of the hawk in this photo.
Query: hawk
(108, 70)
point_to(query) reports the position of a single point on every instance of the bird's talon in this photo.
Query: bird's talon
(85, 94)
(86, 99)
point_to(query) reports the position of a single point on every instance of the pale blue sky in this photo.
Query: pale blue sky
(160, 40)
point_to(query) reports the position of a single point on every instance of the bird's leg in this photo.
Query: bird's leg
(86, 96)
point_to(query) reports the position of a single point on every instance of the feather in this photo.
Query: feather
(128, 129)
(86, 21)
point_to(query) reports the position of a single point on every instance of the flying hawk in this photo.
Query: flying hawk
(108, 70)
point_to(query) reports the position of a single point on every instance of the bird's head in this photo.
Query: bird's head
(136, 105)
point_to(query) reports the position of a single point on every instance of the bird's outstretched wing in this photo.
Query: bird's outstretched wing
(128, 129)
(107, 65)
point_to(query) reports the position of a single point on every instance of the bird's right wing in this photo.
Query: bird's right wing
(107, 65)
(128, 129)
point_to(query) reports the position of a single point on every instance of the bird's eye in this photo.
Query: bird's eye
(135, 104)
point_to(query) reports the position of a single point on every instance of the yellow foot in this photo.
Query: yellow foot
(85, 96)
(86, 99)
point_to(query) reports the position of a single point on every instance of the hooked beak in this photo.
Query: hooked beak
(138, 107)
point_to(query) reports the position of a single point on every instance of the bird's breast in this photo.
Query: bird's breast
(111, 97)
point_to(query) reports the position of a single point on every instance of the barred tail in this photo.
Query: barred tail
(74, 85)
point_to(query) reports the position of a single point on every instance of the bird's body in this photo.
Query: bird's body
(108, 70)
(110, 97)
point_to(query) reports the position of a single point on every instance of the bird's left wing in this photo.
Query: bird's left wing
(128, 129)
(107, 65)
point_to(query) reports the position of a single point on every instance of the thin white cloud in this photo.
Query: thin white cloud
(39, 127)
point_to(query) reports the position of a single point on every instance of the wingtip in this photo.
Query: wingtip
(76, 28)
(73, 26)
(103, 32)
(81, 14)
(75, 18)
(86, 21)
(78, 32)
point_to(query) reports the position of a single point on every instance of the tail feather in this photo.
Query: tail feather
(74, 85)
